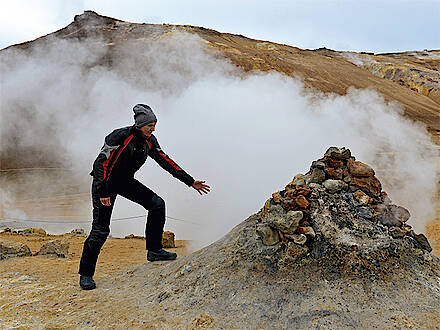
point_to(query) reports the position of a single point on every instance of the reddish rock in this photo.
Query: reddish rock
(302, 202)
(168, 239)
(359, 169)
(334, 173)
(334, 163)
(362, 198)
(368, 184)
(277, 197)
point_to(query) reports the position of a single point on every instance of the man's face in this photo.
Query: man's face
(148, 129)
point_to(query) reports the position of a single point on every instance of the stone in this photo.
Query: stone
(168, 239)
(9, 249)
(133, 236)
(302, 202)
(294, 252)
(397, 232)
(287, 223)
(423, 242)
(334, 186)
(318, 164)
(299, 180)
(57, 248)
(338, 153)
(334, 163)
(315, 186)
(364, 212)
(317, 176)
(268, 235)
(306, 230)
(359, 169)
(334, 173)
(361, 197)
(388, 219)
(300, 239)
(399, 212)
(38, 231)
(385, 199)
(78, 232)
(368, 185)
(276, 197)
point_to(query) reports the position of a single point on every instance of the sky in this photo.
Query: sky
(346, 25)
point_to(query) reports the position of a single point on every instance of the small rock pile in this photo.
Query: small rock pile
(337, 205)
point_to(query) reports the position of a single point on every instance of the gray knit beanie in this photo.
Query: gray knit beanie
(143, 115)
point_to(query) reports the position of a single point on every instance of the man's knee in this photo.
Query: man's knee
(97, 237)
(157, 203)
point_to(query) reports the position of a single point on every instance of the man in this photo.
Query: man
(125, 150)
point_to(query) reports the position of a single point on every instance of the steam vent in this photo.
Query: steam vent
(329, 251)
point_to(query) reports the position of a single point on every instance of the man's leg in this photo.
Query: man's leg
(97, 237)
(138, 193)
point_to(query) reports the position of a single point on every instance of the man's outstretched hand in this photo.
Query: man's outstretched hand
(201, 187)
(105, 201)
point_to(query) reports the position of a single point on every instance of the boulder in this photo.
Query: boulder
(334, 173)
(287, 223)
(302, 202)
(316, 176)
(399, 212)
(38, 231)
(359, 169)
(9, 249)
(423, 242)
(78, 232)
(168, 239)
(300, 239)
(268, 235)
(370, 185)
(361, 197)
(334, 186)
(338, 153)
(58, 248)
(397, 232)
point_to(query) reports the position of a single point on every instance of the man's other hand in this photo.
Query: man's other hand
(201, 187)
(105, 201)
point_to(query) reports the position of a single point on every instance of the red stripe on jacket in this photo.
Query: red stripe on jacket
(169, 161)
(127, 140)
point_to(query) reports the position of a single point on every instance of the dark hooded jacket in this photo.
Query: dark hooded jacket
(125, 150)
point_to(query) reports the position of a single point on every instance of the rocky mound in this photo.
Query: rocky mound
(330, 250)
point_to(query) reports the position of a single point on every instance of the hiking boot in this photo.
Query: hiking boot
(87, 282)
(160, 255)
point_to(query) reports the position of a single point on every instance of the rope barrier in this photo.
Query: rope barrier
(88, 221)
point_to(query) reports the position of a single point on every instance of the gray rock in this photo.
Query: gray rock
(57, 248)
(9, 249)
(338, 153)
(388, 219)
(334, 186)
(397, 232)
(364, 212)
(287, 223)
(316, 176)
(317, 164)
(399, 212)
(300, 239)
(268, 235)
(423, 242)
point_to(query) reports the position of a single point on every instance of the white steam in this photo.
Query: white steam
(246, 134)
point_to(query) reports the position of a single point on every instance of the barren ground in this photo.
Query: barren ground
(44, 286)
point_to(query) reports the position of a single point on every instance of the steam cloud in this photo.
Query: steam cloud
(246, 134)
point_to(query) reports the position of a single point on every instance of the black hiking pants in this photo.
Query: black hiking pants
(135, 191)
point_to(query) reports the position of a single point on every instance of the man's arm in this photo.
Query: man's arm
(168, 164)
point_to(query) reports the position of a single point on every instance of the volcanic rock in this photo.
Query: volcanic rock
(285, 222)
(359, 169)
(370, 185)
(58, 248)
(268, 235)
(168, 239)
(10, 249)
(423, 242)
(334, 186)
